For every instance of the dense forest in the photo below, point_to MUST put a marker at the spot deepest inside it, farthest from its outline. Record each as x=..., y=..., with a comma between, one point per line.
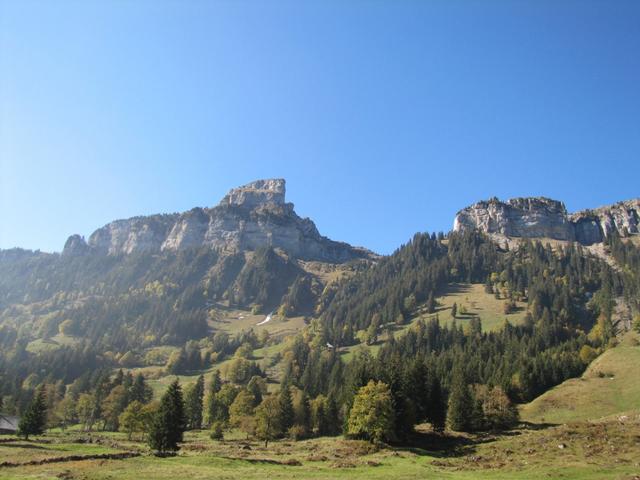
x=437, y=371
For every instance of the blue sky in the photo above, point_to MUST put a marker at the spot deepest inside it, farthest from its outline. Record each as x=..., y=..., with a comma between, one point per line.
x=385, y=117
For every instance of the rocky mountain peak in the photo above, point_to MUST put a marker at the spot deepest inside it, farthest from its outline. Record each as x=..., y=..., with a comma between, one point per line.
x=254, y=194
x=540, y=217
x=248, y=218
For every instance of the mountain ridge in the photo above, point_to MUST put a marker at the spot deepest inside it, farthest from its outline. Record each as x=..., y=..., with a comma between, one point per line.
x=248, y=217
x=541, y=217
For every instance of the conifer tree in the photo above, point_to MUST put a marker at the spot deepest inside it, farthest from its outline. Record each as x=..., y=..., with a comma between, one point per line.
x=168, y=425
x=302, y=414
x=286, y=404
x=216, y=382
x=140, y=391
x=34, y=420
x=460, y=407
x=431, y=303
x=193, y=404
x=437, y=410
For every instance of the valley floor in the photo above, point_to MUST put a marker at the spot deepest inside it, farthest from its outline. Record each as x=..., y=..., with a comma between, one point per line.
x=607, y=449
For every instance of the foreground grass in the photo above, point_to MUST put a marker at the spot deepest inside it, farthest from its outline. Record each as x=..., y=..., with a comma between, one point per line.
x=610, y=386
x=584, y=450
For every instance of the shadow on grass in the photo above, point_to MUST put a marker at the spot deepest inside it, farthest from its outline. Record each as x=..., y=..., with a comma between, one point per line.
x=21, y=444
x=446, y=445
x=538, y=426
x=438, y=445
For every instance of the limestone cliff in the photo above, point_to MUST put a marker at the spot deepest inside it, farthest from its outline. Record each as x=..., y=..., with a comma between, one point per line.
x=541, y=217
x=248, y=217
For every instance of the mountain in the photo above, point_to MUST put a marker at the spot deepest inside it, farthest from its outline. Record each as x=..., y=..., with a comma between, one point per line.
x=539, y=217
x=249, y=217
x=190, y=292
x=163, y=279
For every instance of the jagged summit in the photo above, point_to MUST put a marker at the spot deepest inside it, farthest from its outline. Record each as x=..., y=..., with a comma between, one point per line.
x=540, y=217
x=247, y=218
x=257, y=193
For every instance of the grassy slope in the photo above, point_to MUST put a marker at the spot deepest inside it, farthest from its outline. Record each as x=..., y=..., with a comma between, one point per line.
x=470, y=295
x=592, y=396
x=478, y=303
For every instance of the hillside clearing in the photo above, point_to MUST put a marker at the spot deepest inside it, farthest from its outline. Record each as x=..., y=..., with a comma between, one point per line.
x=610, y=386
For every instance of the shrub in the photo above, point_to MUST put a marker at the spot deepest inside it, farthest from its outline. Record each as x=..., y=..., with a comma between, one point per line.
x=217, y=431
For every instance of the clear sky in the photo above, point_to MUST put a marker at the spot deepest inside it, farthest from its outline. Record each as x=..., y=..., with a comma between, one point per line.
x=385, y=117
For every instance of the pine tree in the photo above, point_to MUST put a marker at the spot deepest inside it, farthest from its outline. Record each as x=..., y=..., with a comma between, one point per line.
x=460, y=408
x=140, y=391
x=431, y=303
x=332, y=416
x=216, y=382
x=34, y=420
x=302, y=414
x=286, y=404
x=437, y=410
x=168, y=425
x=193, y=404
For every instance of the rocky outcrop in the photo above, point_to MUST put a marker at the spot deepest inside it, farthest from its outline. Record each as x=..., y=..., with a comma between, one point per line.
x=545, y=218
x=257, y=193
x=76, y=246
x=622, y=217
x=133, y=235
x=248, y=217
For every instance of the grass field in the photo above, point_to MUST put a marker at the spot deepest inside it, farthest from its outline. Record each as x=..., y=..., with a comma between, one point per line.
x=478, y=303
x=53, y=343
x=577, y=451
x=610, y=386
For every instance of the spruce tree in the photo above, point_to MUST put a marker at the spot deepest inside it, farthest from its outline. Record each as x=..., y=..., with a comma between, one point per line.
x=437, y=410
x=34, y=420
x=216, y=382
x=140, y=391
x=286, y=405
x=332, y=416
x=193, y=404
x=431, y=303
x=460, y=411
x=302, y=414
x=168, y=424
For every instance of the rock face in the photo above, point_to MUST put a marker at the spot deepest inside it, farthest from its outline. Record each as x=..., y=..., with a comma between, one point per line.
x=248, y=217
x=545, y=218
x=76, y=246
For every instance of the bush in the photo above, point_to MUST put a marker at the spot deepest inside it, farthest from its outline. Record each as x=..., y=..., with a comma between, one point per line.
x=587, y=354
x=297, y=432
x=217, y=431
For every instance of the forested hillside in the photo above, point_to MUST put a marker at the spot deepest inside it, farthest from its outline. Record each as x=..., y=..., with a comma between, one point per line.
x=113, y=309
